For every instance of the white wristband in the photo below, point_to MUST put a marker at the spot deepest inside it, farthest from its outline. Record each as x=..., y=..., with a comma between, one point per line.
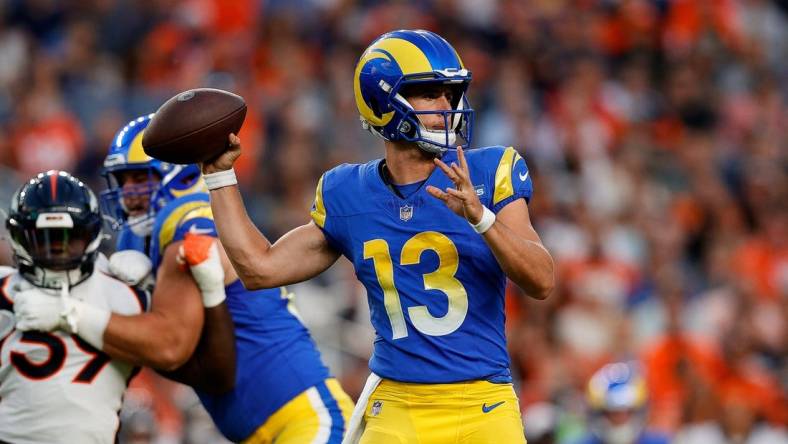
x=87, y=321
x=213, y=298
x=220, y=179
x=487, y=221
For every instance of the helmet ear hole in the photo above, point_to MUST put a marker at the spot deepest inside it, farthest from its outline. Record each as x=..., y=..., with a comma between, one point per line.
x=406, y=128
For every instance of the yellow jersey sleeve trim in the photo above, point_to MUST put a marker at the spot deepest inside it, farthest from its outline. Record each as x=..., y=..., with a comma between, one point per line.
x=319, y=213
x=503, y=176
x=167, y=232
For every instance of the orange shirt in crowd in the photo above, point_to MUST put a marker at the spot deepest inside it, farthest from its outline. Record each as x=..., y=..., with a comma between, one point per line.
x=762, y=264
x=55, y=142
x=672, y=364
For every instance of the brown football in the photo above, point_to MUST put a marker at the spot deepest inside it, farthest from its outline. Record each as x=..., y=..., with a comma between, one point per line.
x=193, y=125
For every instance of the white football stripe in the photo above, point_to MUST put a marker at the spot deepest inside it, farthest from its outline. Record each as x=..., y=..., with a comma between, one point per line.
x=324, y=418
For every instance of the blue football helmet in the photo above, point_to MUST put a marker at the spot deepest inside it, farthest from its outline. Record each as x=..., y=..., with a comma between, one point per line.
x=406, y=57
x=617, y=397
x=165, y=182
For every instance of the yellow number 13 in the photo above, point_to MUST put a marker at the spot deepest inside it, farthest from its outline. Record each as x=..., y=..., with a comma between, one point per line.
x=441, y=279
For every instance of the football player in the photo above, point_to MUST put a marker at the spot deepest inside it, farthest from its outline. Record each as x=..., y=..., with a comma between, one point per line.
x=433, y=240
x=283, y=391
x=58, y=387
x=170, y=337
x=617, y=397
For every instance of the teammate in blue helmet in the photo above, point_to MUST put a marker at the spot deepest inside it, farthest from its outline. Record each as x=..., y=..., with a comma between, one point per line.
x=617, y=399
x=276, y=389
x=433, y=241
x=138, y=186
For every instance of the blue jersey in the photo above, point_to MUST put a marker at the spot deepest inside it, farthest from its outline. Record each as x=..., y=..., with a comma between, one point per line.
x=646, y=437
x=276, y=357
x=127, y=240
x=435, y=290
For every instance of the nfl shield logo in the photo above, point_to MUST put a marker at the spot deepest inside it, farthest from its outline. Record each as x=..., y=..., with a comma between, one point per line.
x=376, y=406
x=406, y=212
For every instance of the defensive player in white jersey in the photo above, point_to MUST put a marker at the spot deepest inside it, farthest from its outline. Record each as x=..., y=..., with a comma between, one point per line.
x=55, y=387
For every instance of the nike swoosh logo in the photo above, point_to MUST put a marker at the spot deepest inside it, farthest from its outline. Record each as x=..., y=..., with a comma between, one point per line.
x=523, y=176
x=487, y=409
x=198, y=231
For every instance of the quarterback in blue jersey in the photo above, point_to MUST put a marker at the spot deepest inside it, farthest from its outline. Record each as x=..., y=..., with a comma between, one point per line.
x=432, y=230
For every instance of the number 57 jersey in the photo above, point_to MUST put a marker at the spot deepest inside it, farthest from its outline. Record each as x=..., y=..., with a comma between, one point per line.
x=435, y=290
x=55, y=387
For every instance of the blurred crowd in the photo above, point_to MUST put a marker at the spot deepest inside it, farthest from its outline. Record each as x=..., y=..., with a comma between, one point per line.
x=656, y=132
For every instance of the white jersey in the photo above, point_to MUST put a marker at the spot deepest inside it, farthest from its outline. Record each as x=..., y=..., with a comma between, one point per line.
x=55, y=387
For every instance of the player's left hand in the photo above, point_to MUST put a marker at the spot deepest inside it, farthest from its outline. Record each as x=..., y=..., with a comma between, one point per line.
x=462, y=199
x=37, y=309
x=201, y=254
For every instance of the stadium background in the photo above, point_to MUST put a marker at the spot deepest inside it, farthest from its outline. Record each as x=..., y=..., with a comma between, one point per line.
x=656, y=131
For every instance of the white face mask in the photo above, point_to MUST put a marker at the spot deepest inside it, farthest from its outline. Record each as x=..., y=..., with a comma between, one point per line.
x=141, y=226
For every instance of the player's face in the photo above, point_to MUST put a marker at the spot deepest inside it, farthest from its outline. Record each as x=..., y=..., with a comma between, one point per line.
x=137, y=186
x=56, y=246
x=430, y=97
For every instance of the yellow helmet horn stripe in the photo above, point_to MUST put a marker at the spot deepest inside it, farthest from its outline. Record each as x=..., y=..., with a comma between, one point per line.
x=364, y=109
x=136, y=153
x=408, y=56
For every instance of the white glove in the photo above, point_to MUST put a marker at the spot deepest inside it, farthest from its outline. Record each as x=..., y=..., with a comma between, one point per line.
x=201, y=254
x=37, y=309
x=133, y=268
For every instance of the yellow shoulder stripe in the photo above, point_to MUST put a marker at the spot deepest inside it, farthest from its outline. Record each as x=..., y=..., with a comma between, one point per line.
x=503, y=175
x=319, y=212
x=167, y=232
x=202, y=211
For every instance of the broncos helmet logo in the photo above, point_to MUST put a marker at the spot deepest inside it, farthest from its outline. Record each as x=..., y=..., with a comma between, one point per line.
x=405, y=57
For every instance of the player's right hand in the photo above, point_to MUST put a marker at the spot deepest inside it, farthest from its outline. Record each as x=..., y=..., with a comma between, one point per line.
x=201, y=254
x=133, y=268
x=44, y=310
x=38, y=309
x=223, y=161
